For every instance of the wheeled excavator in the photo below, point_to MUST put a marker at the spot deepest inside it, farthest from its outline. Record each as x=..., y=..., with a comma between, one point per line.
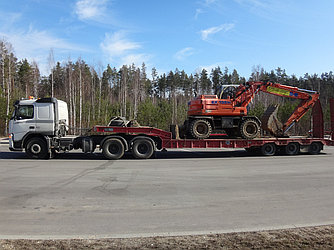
x=228, y=111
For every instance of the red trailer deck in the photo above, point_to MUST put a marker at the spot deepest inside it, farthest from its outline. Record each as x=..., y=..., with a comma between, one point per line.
x=141, y=139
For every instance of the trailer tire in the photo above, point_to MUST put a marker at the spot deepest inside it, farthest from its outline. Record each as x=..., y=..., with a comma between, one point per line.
x=315, y=148
x=249, y=128
x=113, y=149
x=200, y=129
x=268, y=149
x=36, y=148
x=142, y=148
x=293, y=148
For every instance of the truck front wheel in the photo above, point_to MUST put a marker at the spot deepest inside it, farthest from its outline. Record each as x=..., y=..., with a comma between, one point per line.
x=113, y=149
x=36, y=149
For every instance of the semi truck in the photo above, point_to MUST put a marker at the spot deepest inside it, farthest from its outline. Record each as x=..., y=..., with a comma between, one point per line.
x=40, y=128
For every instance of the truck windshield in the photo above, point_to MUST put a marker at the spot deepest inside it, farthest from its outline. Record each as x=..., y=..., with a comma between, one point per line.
x=24, y=112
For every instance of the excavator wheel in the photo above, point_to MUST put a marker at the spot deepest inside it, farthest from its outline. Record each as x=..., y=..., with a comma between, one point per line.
x=200, y=129
x=249, y=129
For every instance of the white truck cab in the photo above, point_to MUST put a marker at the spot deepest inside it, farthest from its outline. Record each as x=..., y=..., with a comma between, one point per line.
x=35, y=120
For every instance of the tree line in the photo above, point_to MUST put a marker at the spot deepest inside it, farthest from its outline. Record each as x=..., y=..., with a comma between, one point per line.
x=94, y=94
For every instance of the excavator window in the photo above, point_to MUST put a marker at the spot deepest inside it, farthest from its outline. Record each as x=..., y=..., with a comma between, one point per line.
x=227, y=91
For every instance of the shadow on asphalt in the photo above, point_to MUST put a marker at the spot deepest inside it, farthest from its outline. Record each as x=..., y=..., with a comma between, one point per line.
x=127, y=156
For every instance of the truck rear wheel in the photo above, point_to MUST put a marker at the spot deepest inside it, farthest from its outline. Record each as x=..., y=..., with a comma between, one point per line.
x=113, y=149
x=200, y=129
x=36, y=149
x=315, y=148
x=142, y=149
x=292, y=148
x=249, y=129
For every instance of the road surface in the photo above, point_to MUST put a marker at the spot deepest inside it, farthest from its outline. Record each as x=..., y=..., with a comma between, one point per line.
x=179, y=192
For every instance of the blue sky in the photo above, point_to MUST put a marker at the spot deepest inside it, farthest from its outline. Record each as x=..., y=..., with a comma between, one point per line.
x=296, y=35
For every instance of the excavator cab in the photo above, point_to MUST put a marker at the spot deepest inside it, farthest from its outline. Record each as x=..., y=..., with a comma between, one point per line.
x=227, y=91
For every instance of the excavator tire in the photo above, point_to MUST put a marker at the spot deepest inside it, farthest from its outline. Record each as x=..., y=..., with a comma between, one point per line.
x=249, y=128
x=200, y=129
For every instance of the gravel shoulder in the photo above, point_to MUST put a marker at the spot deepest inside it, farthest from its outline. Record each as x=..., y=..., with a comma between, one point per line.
x=320, y=237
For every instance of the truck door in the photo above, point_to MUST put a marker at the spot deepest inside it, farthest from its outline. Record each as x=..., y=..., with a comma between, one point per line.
x=23, y=121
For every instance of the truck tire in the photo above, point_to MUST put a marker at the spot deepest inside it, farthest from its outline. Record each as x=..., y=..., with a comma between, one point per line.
x=142, y=149
x=113, y=149
x=36, y=149
x=268, y=149
x=249, y=129
x=200, y=129
x=315, y=148
x=292, y=148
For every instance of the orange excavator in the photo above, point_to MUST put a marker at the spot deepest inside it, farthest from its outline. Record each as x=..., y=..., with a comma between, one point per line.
x=228, y=111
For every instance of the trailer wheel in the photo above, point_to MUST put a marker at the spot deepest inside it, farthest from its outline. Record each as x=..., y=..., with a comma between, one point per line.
x=292, y=148
x=142, y=149
x=249, y=129
x=315, y=148
x=113, y=149
x=268, y=149
x=36, y=149
x=200, y=129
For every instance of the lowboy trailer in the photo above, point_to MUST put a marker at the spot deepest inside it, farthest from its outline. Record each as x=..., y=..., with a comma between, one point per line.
x=142, y=142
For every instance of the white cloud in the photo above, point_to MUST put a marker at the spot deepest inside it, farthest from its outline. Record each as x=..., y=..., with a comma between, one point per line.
x=90, y=9
x=136, y=59
x=198, y=12
x=117, y=44
x=7, y=19
x=35, y=45
x=120, y=50
x=183, y=53
x=213, y=30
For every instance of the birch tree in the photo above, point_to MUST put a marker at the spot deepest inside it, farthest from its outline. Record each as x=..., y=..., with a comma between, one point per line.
x=51, y=63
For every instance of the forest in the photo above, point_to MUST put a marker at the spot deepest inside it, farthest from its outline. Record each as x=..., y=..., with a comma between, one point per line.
x=94, y=94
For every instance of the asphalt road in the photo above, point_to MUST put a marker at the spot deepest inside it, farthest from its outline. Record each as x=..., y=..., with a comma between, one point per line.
x=178, y=192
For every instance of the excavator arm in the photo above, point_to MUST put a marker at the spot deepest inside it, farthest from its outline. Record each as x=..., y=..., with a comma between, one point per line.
x=308, y=99
x=245, y=93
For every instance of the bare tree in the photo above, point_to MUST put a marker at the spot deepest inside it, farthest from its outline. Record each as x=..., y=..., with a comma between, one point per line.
x=136, y=92
x=80, y=96
x=36, y=77
x=3, y=58
x=51, y=62
x=123, y=88
x=70, y=90
x=100, y=70
x=8, y=69
x=93, y=72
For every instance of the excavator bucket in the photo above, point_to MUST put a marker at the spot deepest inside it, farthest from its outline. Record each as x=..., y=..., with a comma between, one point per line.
x=270, y=123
